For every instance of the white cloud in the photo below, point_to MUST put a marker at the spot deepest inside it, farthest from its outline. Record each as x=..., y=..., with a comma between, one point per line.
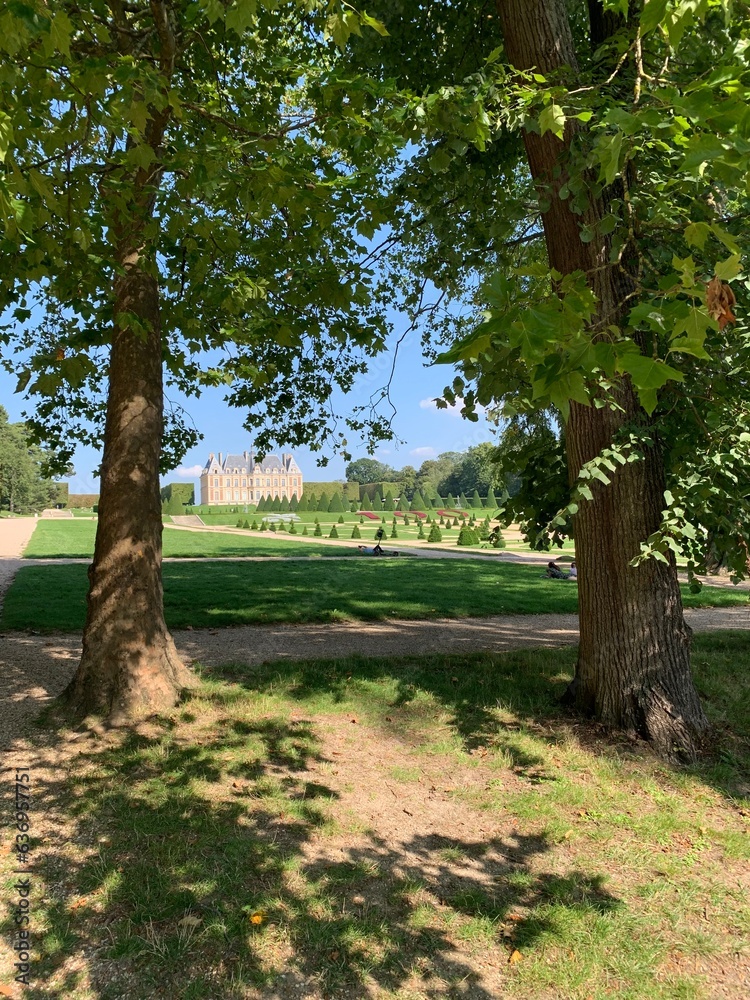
x=189, y=472
x=423, y=452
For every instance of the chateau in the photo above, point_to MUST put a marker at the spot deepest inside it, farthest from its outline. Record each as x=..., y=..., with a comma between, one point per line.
x=246, y=478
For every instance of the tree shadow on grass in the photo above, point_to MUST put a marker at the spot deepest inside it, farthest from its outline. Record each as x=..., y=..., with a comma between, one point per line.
x=191, y=857
x=495, y=700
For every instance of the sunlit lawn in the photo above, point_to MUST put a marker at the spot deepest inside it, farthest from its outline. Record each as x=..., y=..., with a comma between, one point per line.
x=283, y=834
x=75, y=540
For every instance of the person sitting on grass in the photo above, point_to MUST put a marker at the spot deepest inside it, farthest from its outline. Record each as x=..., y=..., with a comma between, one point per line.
x=554, y=572
x=573, y=575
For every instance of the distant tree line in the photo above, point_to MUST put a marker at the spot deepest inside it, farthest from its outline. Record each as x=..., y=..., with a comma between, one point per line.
x=452, y=472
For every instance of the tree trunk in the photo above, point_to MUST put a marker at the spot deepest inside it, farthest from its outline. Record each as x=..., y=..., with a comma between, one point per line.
x=633, y=669
x=130, y=666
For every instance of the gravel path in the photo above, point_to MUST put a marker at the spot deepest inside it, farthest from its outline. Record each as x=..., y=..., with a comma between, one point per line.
x=34, y=669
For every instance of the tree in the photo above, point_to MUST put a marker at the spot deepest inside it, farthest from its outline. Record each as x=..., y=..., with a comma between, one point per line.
x=467, y=536
x=476, y=500
x=335, y=506
x=23, y=488
x=389, y=503
x=417, y=501
x=368, y=470
x=407, y=479
x=322, y=504
x=179, y=178
x=475, y=469
x=602, y=301
x=435, y=534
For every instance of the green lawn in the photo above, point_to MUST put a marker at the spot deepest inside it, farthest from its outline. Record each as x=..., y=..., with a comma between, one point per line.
x=52, y=598
x=75, y=540
x=313, y=848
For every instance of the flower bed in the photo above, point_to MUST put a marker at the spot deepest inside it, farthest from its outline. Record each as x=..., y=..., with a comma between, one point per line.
x=368, y=513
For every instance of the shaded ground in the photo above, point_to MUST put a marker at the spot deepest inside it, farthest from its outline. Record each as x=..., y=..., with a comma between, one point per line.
x=364, y=830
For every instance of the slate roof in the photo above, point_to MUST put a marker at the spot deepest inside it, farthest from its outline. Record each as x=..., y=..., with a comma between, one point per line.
x=249, y=462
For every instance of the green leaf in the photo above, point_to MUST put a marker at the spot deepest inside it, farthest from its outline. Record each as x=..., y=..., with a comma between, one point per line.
x=648, y=373
x=697, y=233
x=552, y=119
x=726, y=238
x=654, y=12
x=700, y=150
x=610, y=157
x=6, y=135
x=60, y=31
x=372, y=22
x=727, y=269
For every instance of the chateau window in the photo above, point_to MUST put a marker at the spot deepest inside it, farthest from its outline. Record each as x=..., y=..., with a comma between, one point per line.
x=228, y=482
x=244, y=482
x=275, y=482
x=236, y=482
x=236, y=494
x=216, y=482
x=268, y=482
x=283, y=482
x=244, y=494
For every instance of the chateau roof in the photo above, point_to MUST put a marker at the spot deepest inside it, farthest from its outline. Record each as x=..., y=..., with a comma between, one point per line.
x=249, y=462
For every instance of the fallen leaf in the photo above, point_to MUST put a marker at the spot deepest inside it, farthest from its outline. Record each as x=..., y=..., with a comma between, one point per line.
x=257, y=917
x=515, y=956
x=189, y=921
x=78, y=903
x=7, y=991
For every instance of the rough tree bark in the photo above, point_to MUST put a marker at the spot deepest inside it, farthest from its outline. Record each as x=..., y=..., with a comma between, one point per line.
x=633, y=669
x=130, y=667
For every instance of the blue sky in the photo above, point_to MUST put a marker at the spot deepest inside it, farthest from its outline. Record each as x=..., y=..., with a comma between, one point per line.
x=423, y=430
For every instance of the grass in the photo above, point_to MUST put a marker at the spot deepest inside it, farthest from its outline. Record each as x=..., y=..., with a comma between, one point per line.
x=75, y=540
x=211, y=595
x=65, y=539
x=574, y=866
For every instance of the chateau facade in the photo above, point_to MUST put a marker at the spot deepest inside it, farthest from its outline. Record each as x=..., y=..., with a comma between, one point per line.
x=247, y=478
